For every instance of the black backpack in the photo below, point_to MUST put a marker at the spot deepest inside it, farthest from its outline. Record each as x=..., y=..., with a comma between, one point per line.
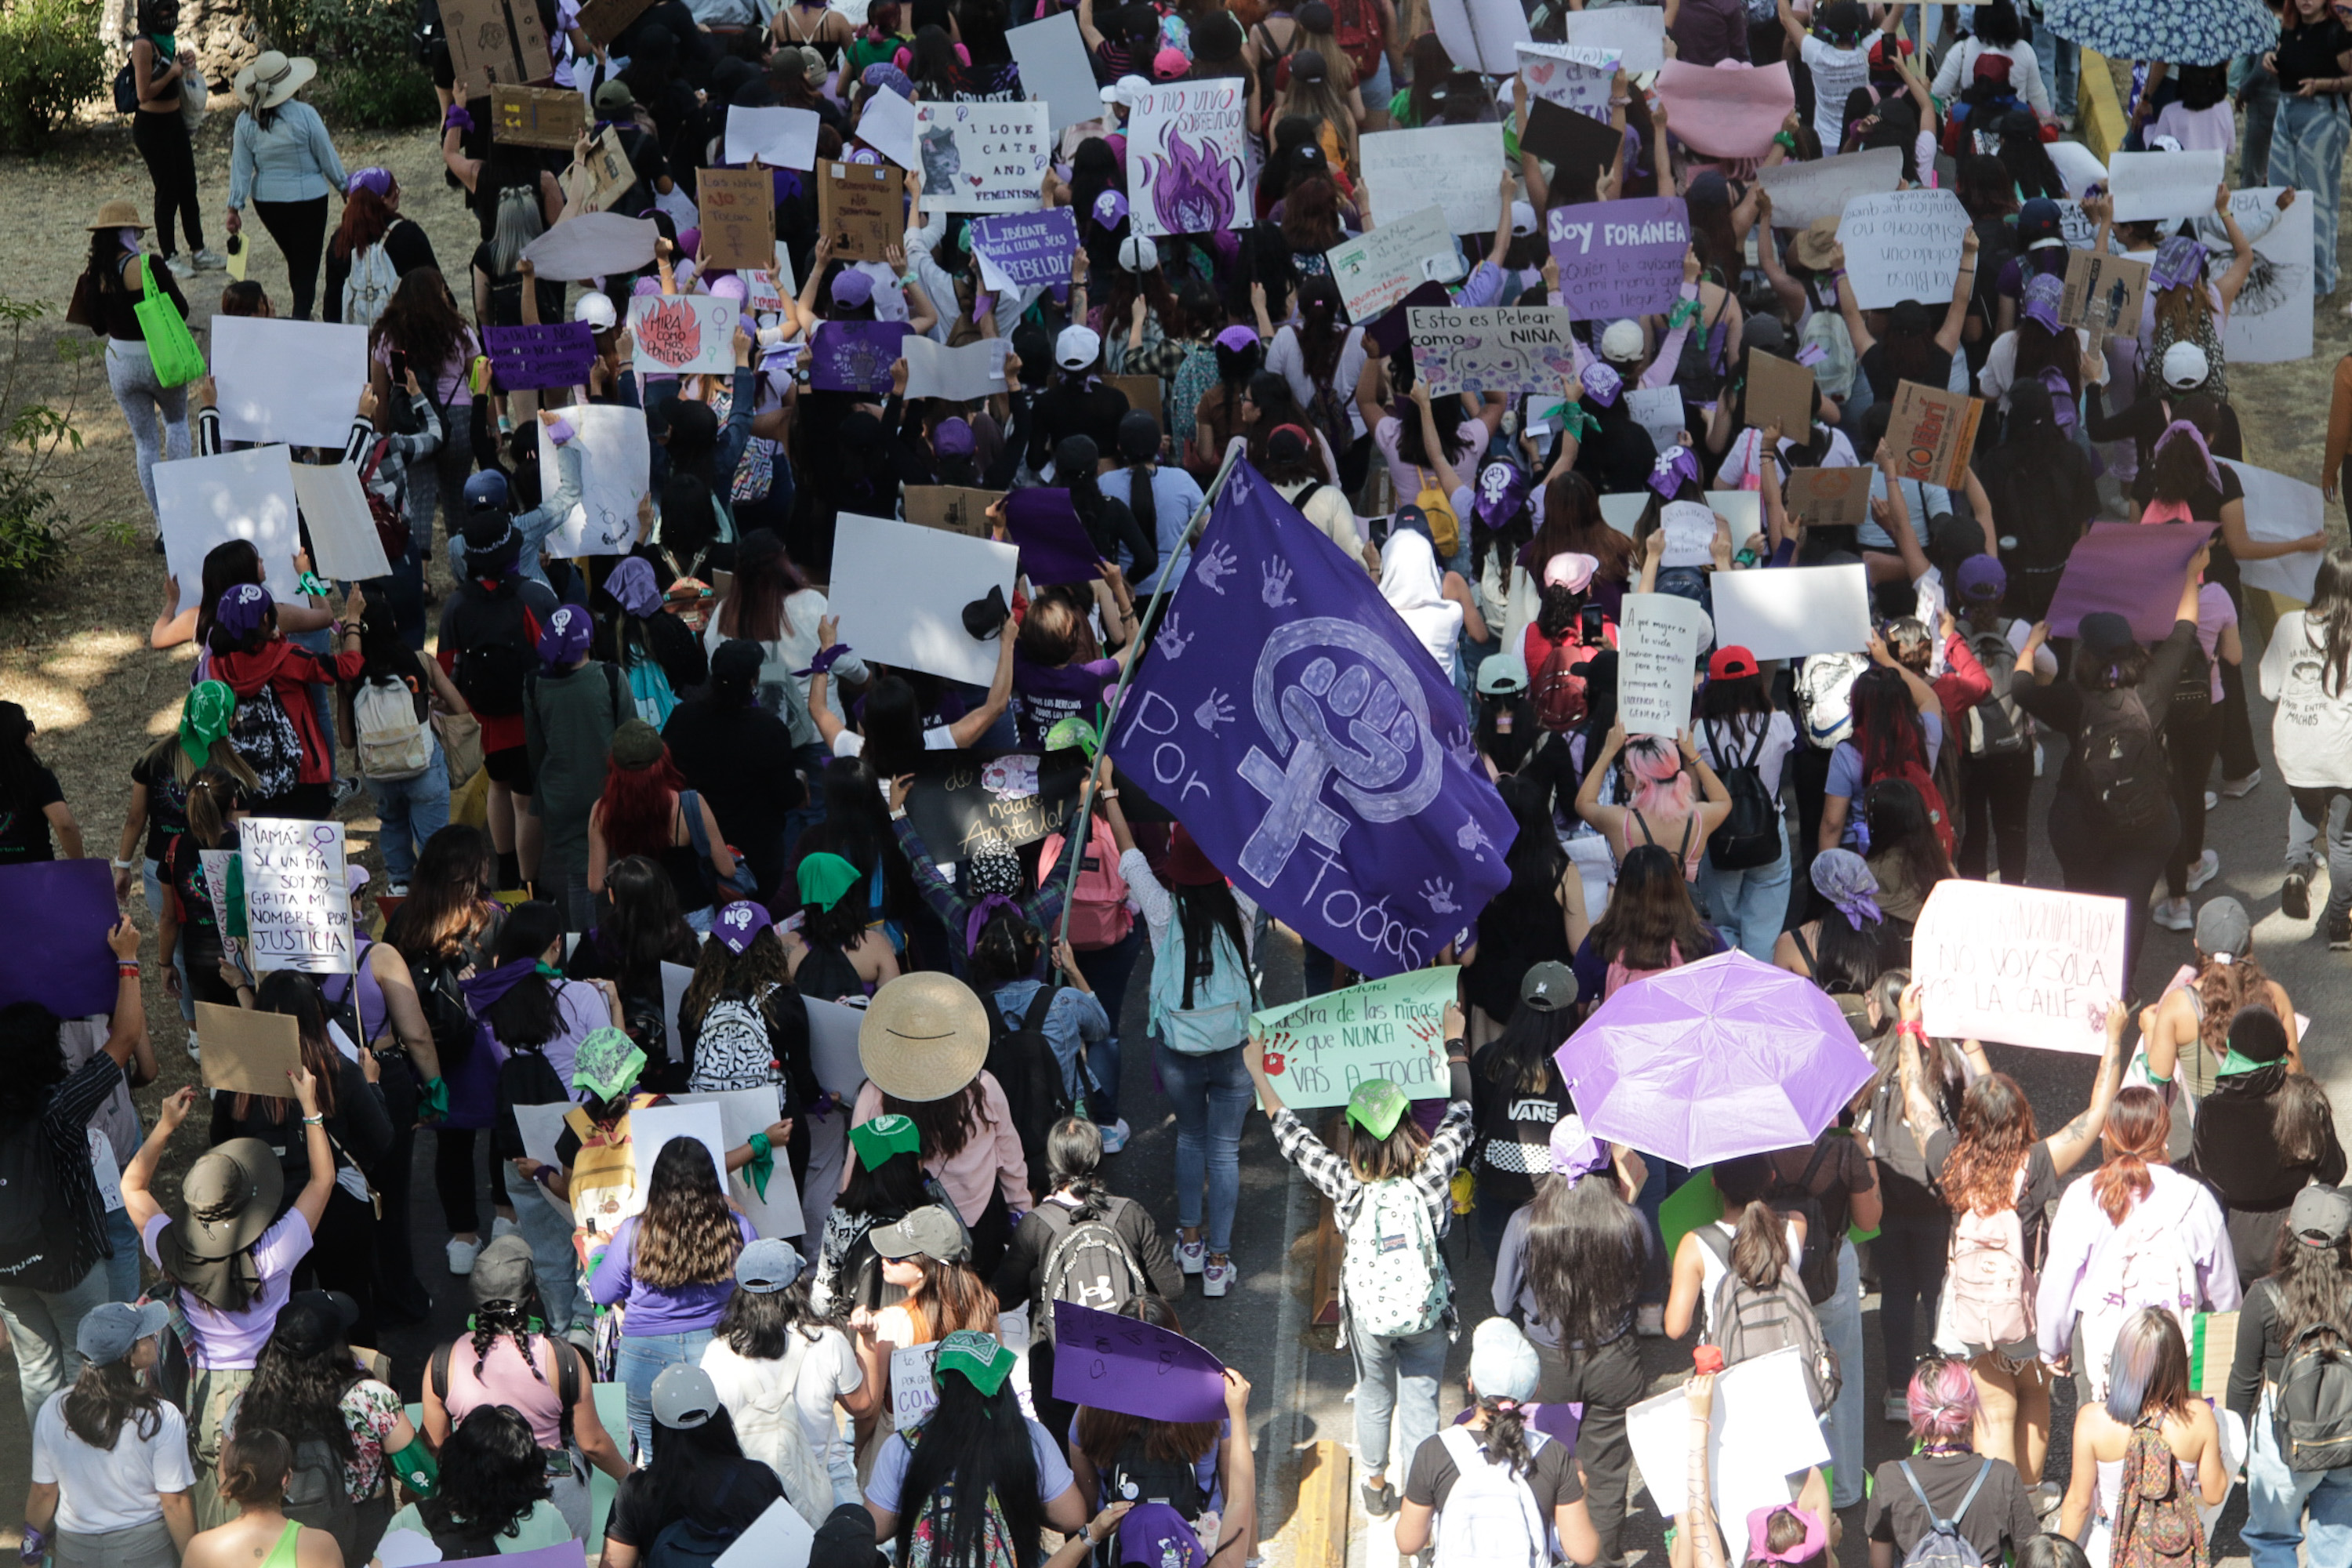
x=1135, y=1475
x=1996, y=724
x=2314, y=1402
x=315, y=1496
x=446, y=1011
x=2192, y=695
x=1819, y=1267
x=491, y=669
x=1750, y=835
x=1021, y=1061
x=525, y=1077
x=264, y=737
x=1091, y=1265
x=31, y=1225
x=2125, y=772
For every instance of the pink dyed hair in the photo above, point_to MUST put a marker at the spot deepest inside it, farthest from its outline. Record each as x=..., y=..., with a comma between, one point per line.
x=1942, y=1401
x=1662, y=786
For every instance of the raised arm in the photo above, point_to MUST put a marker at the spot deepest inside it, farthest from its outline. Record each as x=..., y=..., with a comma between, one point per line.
x=1947, y=337
x=2078, y=1137
x=2243, y=266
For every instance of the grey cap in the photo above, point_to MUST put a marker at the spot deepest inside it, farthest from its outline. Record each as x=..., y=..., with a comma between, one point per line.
x=2321, y=1217
x=109, y=1330
x=1549, y=986
x=931, y=1231
x=1503, y=1365
x=767, y=1266
x=684, y=1397
x=503, y=1271
x=2223, y=930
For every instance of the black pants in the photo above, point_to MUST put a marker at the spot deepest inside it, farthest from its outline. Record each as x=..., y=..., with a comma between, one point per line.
x=1809, y=776
x=300, y=229
x=1994, y=794
x=343, y=1257
x=1054, y=1414
x=399, y=1294
x=1909, y=1255
x=2121, y=865
x=1608, y=1380
x=2191, y=742
x=453, y=1179
x=163, y=141
x=2236, y=738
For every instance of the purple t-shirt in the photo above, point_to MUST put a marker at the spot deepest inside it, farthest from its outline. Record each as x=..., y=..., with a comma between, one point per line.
x=1045, y=694
x=651, y=1308
x=228, y=1341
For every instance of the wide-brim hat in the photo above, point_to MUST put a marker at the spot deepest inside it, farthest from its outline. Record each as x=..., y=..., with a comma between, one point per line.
x=924, y=1036
x=119, y=213
x=1815, y=245
x=272, y=78
x=231, y=1193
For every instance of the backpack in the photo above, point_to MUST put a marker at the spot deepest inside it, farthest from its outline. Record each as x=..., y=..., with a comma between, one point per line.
x=1134, y=1475
x=1699, y=369
x=1825, y=697
x=2124, y=771
x=1558, y=689
x=1944, y=1546
x=315, y=1497
x=1996, y=725
x=525, y=1077
x=2313, y=1404
x=1990, y=1281
x=490, y=671
x=1361, y=36
x=1819, y=1267
x=369, y=288
x=1445, y=526
x=828, y=975
x=2142, y=1263
x=30, y=1222
x=126, y=89
x=393, y=743
x=1269, y=62
x=1091, y=1265
x=689, y=1542
x=1392, y=1274
x=1023, y=1062
x=2192, y=695
x=649, y=684
x=1749, y=1323
x=1490, y=1519
x=261, y=732
x=446, y=1011
x=391, y=530
x=1911, y=772
x=2156, y=1520
x=727, y=889
x=1220, y=1002
x=996, y=1545
x=1327, y=411
x=1750, y=835
x=1099, y=917
x=732, y=1050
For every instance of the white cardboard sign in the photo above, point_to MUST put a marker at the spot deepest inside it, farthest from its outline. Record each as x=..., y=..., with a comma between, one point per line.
x=1570, y=75
x=2278, y=509
x=1382, y=265
x=1461, y=165
x=1787, y=612
x=203, y=503
x=983, y=157
x=899, y=589
x=779, y=1538
x=1658, y=410
x=2024, y=966
x=297, y=907
x=1638, y=34
x=280, y=380
x=1052, y=54
x=1761, y=1432
x=1903, y=245
x=833, y=1046
x=2163, y=186
x=1479, y=35
x=913, y=1395
x=1657, y=654
x=616, y=473
x=343, y=541
x=934, y=370
x=780, y=138
x=1807, y=190
x=592, y=245
x=2270, y=322
x=674, y=979
x=655, y=1125
x=1189, y=158
x=889, y=127
x=741, y=1112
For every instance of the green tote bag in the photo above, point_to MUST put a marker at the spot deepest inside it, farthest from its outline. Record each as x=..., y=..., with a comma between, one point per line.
x=169, y=345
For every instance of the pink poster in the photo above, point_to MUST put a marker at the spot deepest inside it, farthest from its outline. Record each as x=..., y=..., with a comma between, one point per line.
x=1728, y=111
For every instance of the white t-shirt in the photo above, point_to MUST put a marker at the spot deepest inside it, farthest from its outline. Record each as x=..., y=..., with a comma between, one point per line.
x=101, y=1491
x=1738, y=735
x=1287, y=359
x=1836, y=73
x=1738, y=471
x=2311, y=732
x=821, y=1373
x=890, y=1469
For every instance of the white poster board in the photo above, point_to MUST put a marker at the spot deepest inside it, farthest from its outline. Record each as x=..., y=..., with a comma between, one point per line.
x=343, y=541
x=674, y=979
x=1787, y=612
x=1569, y=76
x=1689, y=528
x=1657, y=657
x=1903, y=245
x=887, y=126
x=297, y=907
x=592, y=245
x=1761, y=1432
x=935, y=370
x=541, y=1127
x=1806, y=192
x=280, y=380
x=2076, y=165
x=1479, y=35
x=2023, y=966
x=913, y=1395
x=780, y=138
x=741, y=1112
x=1658, y=410
x=1376, y=269
x=205, y=502
x=1052, y=55
x=983, y=157
x=1460, y=164
x=779, y=1538
x=898, y=591
x=655, y=1125
x=2278, y=509
x=1743, y=510
x=833, y=1047
x=2163, y=186
x=616, y=476
x=2270, y=321
x=683, y=334
x=1638, y=33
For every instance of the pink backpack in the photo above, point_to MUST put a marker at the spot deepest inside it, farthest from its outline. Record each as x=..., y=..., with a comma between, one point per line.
x=1989, y=1284
x=1099, y=917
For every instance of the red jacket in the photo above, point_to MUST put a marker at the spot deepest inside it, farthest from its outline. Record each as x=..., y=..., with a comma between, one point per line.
x=1961, y=686
x=292, y=669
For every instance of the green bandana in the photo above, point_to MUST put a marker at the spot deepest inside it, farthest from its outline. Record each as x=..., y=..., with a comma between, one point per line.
x=884, y=1137
x=1073, y=730
x=204, y=719
x=544, y=967
x=979, y=1359
x=1377, y=1106
x=1683, y=315
x=824, y=879
x=763, y=1166
x=1578, y=421
x=606, y=1064
x=2234, y=1066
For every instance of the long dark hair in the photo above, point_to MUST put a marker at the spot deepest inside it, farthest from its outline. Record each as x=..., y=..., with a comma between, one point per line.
x=1521, y=1056
x=21, y=780
x=103, y=1397
x=946, y=1124
x=2027, y=160
x=684, y=1458
x=638, y=926
x=759, y=1326
x=1650, y=915
x=974, y=1448
x=444, y=908
x=420, y=321
x=493, y=1473
x=300, y=1396
x=295, y=995
x=1585, y=1248
x=527, y=1015
x=2313, y=1284
x=1900, y=824
x=1074, y=1153
x=765, y=577
x=105, y=253
x=1200, y=913
x=688, y=1235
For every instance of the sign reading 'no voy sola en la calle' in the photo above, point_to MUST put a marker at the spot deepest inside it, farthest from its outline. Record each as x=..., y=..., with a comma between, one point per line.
x=2024, y=966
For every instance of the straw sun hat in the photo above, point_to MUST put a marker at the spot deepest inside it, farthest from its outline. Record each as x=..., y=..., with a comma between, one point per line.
x=272, y=78
x=119, y=213
x=924, y=1036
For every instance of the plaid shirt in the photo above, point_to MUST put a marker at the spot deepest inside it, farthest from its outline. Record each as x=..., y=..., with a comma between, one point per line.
x=1335, y=1179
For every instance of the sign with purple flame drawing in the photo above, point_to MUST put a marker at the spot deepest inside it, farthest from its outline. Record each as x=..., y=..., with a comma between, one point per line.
x=981, y=157
x=1291, y=719
x=1188, y=158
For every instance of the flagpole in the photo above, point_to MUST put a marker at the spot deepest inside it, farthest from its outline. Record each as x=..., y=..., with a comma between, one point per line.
x=1074, y=852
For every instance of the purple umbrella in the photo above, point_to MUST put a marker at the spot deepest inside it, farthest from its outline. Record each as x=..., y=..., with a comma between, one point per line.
x=1718, y=1059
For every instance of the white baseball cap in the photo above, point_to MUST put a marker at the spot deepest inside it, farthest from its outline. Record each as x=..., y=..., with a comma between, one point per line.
x=1621, y=344
x=2185, y=366
x=1077, y=348
x=596, y=311
x=1523, y=218
x=1137, y=254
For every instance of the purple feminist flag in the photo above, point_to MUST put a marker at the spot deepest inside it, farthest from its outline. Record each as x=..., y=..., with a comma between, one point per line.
x=54, y=917
x=1620, y=258
x=1289, y=718
x=1020, y=249
x=556, y=354
x=1129, y=1367
x=1054, y=544
x=854, y=356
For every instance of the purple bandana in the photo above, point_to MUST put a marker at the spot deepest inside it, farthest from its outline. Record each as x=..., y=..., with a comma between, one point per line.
x=1673, y=467
x=739, y=925
x=2179, y=428
x=2179, y=260
x=1844, y=878
x=1502, y=490
x=242, y=609
x=2042, y=295
x=1603, y=385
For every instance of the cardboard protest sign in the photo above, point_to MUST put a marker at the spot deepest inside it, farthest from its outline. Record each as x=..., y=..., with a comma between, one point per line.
x=1792, y=610
x=833, y=1047
x=934, y=370
x=2278, y=510
x=616, y=476
x=963, y=802
x=958, y=509
x=1829, y=497
x=280, y=380
x=54, y=917
x=1106, y=1362
x=1762, y=1431
x=1638, y=34
x=2025, y=966
x=1462, y=165
x=297, y=907
x=1495, y=349
x=1055, y=69
x=1188, y=159
x=551, y=117
x=1318, y=1050
x=981, y=157
x=593, y=183
x=739, y=216
x=683, y=334
x=592, y=245
x=854, y=356
x=913, y=1395
x=2162, y=187
x=1568, y=77
x=1577, y=145
x=1481, y=34
x=1620, y=258
x=1933, y=433
x=494, y=42
x=1903, y=245
x=2134, y=570
x=1657, y=655
x=1804, y=192
x=2270, y=321
x=1016, y=249
x=898, y=592
x=1727, y=114
x=1779, y=391
x=2103, y=293
x=863, y=208
x=779, y=1538
x=556, y=353
x=247, y=1052
x=780, y=138
x=344, y=544
x=604, y=20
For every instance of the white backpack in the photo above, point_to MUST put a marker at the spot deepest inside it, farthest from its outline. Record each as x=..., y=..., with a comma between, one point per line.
x=1825, y=697
x=1391, y=1271
x=369, y=288
x=1490, y=1519
x=2142, y=1263
x=1989, y=1284
x=732, y=1050
x=393, y=743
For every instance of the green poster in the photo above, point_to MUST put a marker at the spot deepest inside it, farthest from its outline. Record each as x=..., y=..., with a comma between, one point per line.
x=1318, y=1050
x=1693, y=1204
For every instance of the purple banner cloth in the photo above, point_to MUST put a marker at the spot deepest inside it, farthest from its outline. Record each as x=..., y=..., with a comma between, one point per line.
x=1028, y=248
x=1620, y=258
x=54, y=917
x=1133, y=1368
x=1053, y=543
x=2134, y=569
x=854, y=356
x=554, y=354
x=1289, y=718
x=563, y=1555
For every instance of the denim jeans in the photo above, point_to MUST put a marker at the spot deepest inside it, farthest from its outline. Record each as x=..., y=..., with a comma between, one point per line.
x=157, y=414
x=2258, y=89
x=2315, y=807
x=546, y=1223
x=2308, y=153
x=641, y=1358
x=122, y=1268
x=1211, y=1096
x=1396, y=1380
x=412, y=811
x=1748, y=907
x=2277, y=1497
x=2059, y=59
x=152, y=881
x=1840, y=1320
x=42, y=1325
x=1107, y=970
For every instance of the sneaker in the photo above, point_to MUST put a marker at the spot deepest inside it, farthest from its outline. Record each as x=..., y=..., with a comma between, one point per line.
x=2295, y=896
x=2045, y=1498
x=1650, y=1320
x=346, y=787
x=396, y=890
x=462, y=1254
x=1192, y=1255
x=180, y=266
x=2173, y=914
x=1895, y=1407
x=2212, y=801
x=1216, y=1278
x=2208, y=866
x=195, y=1055
x=1380, y=1500
x=502, y=1226
x=1114, y=1137
x=211, y=261
x=2339, y=933
x=2239, y=789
